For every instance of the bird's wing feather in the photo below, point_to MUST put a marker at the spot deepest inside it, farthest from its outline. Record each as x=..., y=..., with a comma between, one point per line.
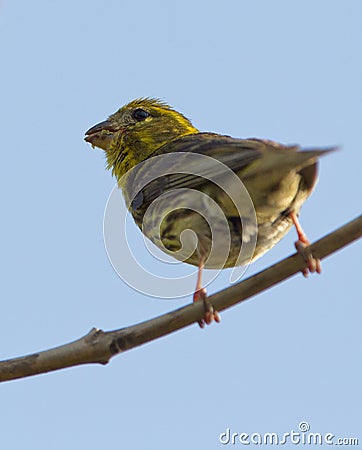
x=194, y=172
x=247, y=157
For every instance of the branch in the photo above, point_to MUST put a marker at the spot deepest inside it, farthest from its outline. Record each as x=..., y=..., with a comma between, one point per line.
x=99, y=346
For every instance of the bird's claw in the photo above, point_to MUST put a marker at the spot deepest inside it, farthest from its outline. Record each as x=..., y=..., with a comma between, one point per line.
x=210, y=314
x=313, y=264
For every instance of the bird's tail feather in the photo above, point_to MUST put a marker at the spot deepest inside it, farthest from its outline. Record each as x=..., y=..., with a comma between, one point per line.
x=284, y=161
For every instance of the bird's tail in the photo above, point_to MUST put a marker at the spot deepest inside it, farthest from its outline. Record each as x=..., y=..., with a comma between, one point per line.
x=284, y=160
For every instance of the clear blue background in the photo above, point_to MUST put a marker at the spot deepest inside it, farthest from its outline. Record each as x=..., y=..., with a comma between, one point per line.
x=288, y=71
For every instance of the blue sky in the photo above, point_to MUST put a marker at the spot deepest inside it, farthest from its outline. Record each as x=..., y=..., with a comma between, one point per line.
x=287, y=71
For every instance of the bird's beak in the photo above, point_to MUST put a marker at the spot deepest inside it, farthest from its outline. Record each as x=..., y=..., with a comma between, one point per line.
x=102, y=134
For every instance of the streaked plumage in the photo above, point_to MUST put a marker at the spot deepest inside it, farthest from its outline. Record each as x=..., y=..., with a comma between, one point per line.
x=278, y=179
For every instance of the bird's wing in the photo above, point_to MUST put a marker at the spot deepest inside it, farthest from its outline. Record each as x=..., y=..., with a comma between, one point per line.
x=191, y=161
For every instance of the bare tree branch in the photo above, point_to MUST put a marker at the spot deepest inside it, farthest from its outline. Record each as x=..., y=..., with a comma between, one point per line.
x=99, y=346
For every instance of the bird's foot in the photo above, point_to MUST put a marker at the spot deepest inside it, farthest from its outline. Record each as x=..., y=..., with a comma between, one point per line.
x=313, y=264
x=210, y=314
x=303, y=248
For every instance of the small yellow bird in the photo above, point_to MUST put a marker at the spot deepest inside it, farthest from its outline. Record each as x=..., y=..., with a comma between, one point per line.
x=175, y=178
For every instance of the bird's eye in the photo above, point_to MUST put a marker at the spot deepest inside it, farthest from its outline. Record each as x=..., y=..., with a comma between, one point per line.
x=140, y=114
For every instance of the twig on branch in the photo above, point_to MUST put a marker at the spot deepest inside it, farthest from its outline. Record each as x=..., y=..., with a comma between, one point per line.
x=99, y=346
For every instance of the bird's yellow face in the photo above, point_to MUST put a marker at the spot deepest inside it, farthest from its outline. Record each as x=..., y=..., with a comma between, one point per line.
x=136, y=131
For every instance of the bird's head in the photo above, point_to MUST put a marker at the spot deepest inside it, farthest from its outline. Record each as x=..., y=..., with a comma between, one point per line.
x=136, y=131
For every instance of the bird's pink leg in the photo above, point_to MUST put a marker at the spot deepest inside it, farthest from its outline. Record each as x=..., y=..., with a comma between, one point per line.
x=200, y=295
x=302, y=246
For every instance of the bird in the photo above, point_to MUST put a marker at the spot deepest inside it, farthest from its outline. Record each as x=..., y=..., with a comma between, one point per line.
x=207, y=199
